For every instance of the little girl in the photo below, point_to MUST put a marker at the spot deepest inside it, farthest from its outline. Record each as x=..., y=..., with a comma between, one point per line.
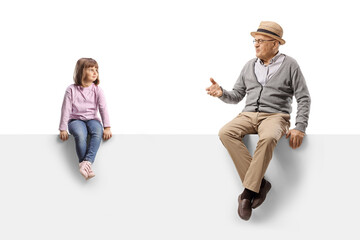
x=79, y=114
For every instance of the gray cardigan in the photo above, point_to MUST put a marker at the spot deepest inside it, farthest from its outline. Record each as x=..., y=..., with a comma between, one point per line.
x=277, y=94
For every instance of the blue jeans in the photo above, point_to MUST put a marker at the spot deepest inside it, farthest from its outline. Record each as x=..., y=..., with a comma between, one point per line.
x=85, y=150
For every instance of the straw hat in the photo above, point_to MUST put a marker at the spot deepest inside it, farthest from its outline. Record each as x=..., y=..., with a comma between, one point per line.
x=271, y=29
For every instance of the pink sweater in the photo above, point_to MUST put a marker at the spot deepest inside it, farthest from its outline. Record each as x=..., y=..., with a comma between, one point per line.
x=83, y=103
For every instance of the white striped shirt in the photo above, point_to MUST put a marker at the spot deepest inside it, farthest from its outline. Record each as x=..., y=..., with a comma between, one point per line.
x=265, y=72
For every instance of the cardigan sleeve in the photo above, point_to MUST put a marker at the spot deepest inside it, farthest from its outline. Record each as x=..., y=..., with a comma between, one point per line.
x=237, y=94
x=303, y=99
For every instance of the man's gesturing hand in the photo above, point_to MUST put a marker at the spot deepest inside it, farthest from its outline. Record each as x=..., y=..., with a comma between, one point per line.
x=214, y=90
x=296, y=138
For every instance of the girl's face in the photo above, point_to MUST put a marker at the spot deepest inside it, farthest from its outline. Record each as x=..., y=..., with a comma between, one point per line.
x=91, y=74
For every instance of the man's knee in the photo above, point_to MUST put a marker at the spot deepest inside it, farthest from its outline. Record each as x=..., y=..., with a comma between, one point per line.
x=226, y=133
x=268, y=140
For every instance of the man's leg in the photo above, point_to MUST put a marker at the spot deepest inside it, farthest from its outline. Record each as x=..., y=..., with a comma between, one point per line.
x=271, y=127
x=231, y=136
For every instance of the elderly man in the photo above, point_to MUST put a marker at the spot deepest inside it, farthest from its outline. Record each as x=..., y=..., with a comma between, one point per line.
x=269, y=82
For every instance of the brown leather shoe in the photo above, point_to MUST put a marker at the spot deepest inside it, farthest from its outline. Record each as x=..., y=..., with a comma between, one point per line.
x=244, y=209
x=260, y=197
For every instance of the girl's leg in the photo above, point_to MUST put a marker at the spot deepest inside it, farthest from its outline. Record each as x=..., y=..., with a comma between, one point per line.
x=95, y=130
x=78, y=129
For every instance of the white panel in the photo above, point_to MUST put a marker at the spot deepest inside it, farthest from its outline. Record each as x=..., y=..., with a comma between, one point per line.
x=174, y=187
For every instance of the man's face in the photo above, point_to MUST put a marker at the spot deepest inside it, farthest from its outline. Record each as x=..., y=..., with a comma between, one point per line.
x=267, y=49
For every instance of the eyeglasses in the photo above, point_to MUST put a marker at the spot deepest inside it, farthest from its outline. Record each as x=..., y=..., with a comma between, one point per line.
x=260, y=41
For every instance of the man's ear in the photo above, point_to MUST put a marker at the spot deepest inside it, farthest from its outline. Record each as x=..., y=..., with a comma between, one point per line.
x=276, y=44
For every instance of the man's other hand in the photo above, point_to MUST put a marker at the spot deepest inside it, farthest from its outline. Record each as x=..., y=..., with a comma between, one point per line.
x=296, y=138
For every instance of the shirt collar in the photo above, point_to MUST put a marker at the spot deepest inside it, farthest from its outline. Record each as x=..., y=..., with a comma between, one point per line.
x=81, y=88
x=276, y=57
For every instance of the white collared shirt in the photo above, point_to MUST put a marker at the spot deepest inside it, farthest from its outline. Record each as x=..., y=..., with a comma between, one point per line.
x=265, y=72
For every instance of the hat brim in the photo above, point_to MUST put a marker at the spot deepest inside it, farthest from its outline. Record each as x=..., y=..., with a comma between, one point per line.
x=282, y=41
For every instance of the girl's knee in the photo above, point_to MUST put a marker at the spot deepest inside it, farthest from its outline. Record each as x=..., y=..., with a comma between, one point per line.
x=79, y=134
x=95, y=128
x=80, y=137
x=97, y=131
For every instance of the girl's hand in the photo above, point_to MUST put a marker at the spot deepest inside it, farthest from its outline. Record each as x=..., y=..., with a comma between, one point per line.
x=107, y=133
x=64, y=135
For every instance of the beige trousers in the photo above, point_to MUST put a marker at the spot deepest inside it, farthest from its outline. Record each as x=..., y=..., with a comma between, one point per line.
x=270, y=127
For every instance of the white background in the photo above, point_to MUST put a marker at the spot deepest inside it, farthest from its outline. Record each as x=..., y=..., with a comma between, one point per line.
x=156, y=58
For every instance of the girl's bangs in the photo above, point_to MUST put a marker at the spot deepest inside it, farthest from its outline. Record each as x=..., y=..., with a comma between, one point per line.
x=90, y=63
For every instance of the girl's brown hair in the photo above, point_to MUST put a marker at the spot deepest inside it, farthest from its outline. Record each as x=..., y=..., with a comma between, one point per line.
x=80, y=70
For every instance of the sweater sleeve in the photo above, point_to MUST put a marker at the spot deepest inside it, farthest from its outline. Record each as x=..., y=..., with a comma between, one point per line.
x=103, y=109
x=237, y=94
x=65, y=110
x=303, y=99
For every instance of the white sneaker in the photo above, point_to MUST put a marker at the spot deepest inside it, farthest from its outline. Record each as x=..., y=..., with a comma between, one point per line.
x=91, y=173
x=84, y=169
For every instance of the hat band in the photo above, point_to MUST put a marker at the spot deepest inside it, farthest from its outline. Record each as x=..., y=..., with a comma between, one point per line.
x=267, y=31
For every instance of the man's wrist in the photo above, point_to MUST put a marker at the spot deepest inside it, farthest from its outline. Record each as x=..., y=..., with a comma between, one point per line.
x=301, y=127
x=222, y=92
